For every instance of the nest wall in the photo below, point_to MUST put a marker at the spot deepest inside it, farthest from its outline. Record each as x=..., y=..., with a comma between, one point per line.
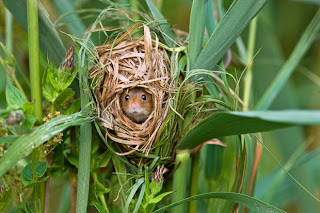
x=125, y=64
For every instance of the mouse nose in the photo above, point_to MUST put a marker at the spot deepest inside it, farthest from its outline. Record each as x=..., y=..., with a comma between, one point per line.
x=134, y=106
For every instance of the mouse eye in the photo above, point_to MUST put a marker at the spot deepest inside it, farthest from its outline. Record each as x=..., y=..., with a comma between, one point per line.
x=127, y=97
x=144, y=97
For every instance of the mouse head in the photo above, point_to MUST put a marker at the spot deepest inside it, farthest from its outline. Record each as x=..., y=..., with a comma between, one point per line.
x=136, y=104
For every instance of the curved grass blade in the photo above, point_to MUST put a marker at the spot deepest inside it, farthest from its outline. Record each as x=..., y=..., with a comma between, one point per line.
x=250, y=202
x=236, y=123
x=197, y=25
x=284, y=74
x=229, y=28
x=25, y=144
x=135, y=188
x=166, y=31
x=50, y=42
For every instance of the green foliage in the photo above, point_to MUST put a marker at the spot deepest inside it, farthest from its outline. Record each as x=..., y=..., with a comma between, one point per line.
x=27, y=176
x=245, y=200
x=236, y=123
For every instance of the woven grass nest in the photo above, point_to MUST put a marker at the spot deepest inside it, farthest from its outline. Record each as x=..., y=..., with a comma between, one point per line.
x=125, y=64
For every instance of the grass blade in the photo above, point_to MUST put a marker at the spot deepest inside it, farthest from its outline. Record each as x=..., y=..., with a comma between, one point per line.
x=301, y=48
x=236, y=123
x=197, y=25
x=26, y=143
x=166, y=31
x=229, y=28
x=250, y=202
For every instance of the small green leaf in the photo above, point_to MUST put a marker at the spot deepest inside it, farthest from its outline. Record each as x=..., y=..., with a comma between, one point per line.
x=27, y=108
x=160, y=197
x=68, y=77
x=73, y=160
x=32, y=184
x=14, y=96
x=49, y=92
x=155, y=187
x=64, y=96
x=104, y=159
x=27, y=175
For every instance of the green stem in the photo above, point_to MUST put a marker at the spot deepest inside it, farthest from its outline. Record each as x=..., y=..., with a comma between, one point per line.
x=194, y=181
x=34, y=172
x=180, y=177
x=33, y=40
x=53, y=110
x=248, y=77
x=8, y=36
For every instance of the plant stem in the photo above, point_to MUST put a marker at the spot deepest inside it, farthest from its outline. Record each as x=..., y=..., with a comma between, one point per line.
x=34, y=172
x=8, y=36
x=248, y=77
x=180, y=180
x=194, y=181
x=33, y=40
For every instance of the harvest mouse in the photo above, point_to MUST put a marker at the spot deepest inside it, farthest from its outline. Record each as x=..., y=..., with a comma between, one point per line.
x=136, y=104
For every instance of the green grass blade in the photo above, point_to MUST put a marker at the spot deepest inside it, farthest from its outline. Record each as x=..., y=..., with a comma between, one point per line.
x=50, y=43
x=210, y=22
x=197, y=25
x=135, y=188
x=285, y=72
x=85, y=136
x=250, y=202
x=166, y=30
x=26, y=143
x=236, y=123
x=229, y=28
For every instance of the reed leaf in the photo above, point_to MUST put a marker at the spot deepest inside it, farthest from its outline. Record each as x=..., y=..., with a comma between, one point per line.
x=229, y=28
x=236, y=123
x=250, y=202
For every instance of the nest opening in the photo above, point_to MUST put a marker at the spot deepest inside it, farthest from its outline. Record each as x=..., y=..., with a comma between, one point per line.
x=122, y=66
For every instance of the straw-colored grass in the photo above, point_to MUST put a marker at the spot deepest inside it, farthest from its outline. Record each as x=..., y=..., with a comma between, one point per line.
x=125, y=64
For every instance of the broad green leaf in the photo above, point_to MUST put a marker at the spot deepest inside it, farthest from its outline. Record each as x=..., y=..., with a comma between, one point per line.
x=210, y=22
x=236, y=123
x=50, y=43
x=308, y=1
x=250, y=202
x=285, y=72
x=166, y=31
x=197, y=25
x=14, y=96
x=228, y=30
x=159, y=197
x=64, y=96
x=26, y=143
